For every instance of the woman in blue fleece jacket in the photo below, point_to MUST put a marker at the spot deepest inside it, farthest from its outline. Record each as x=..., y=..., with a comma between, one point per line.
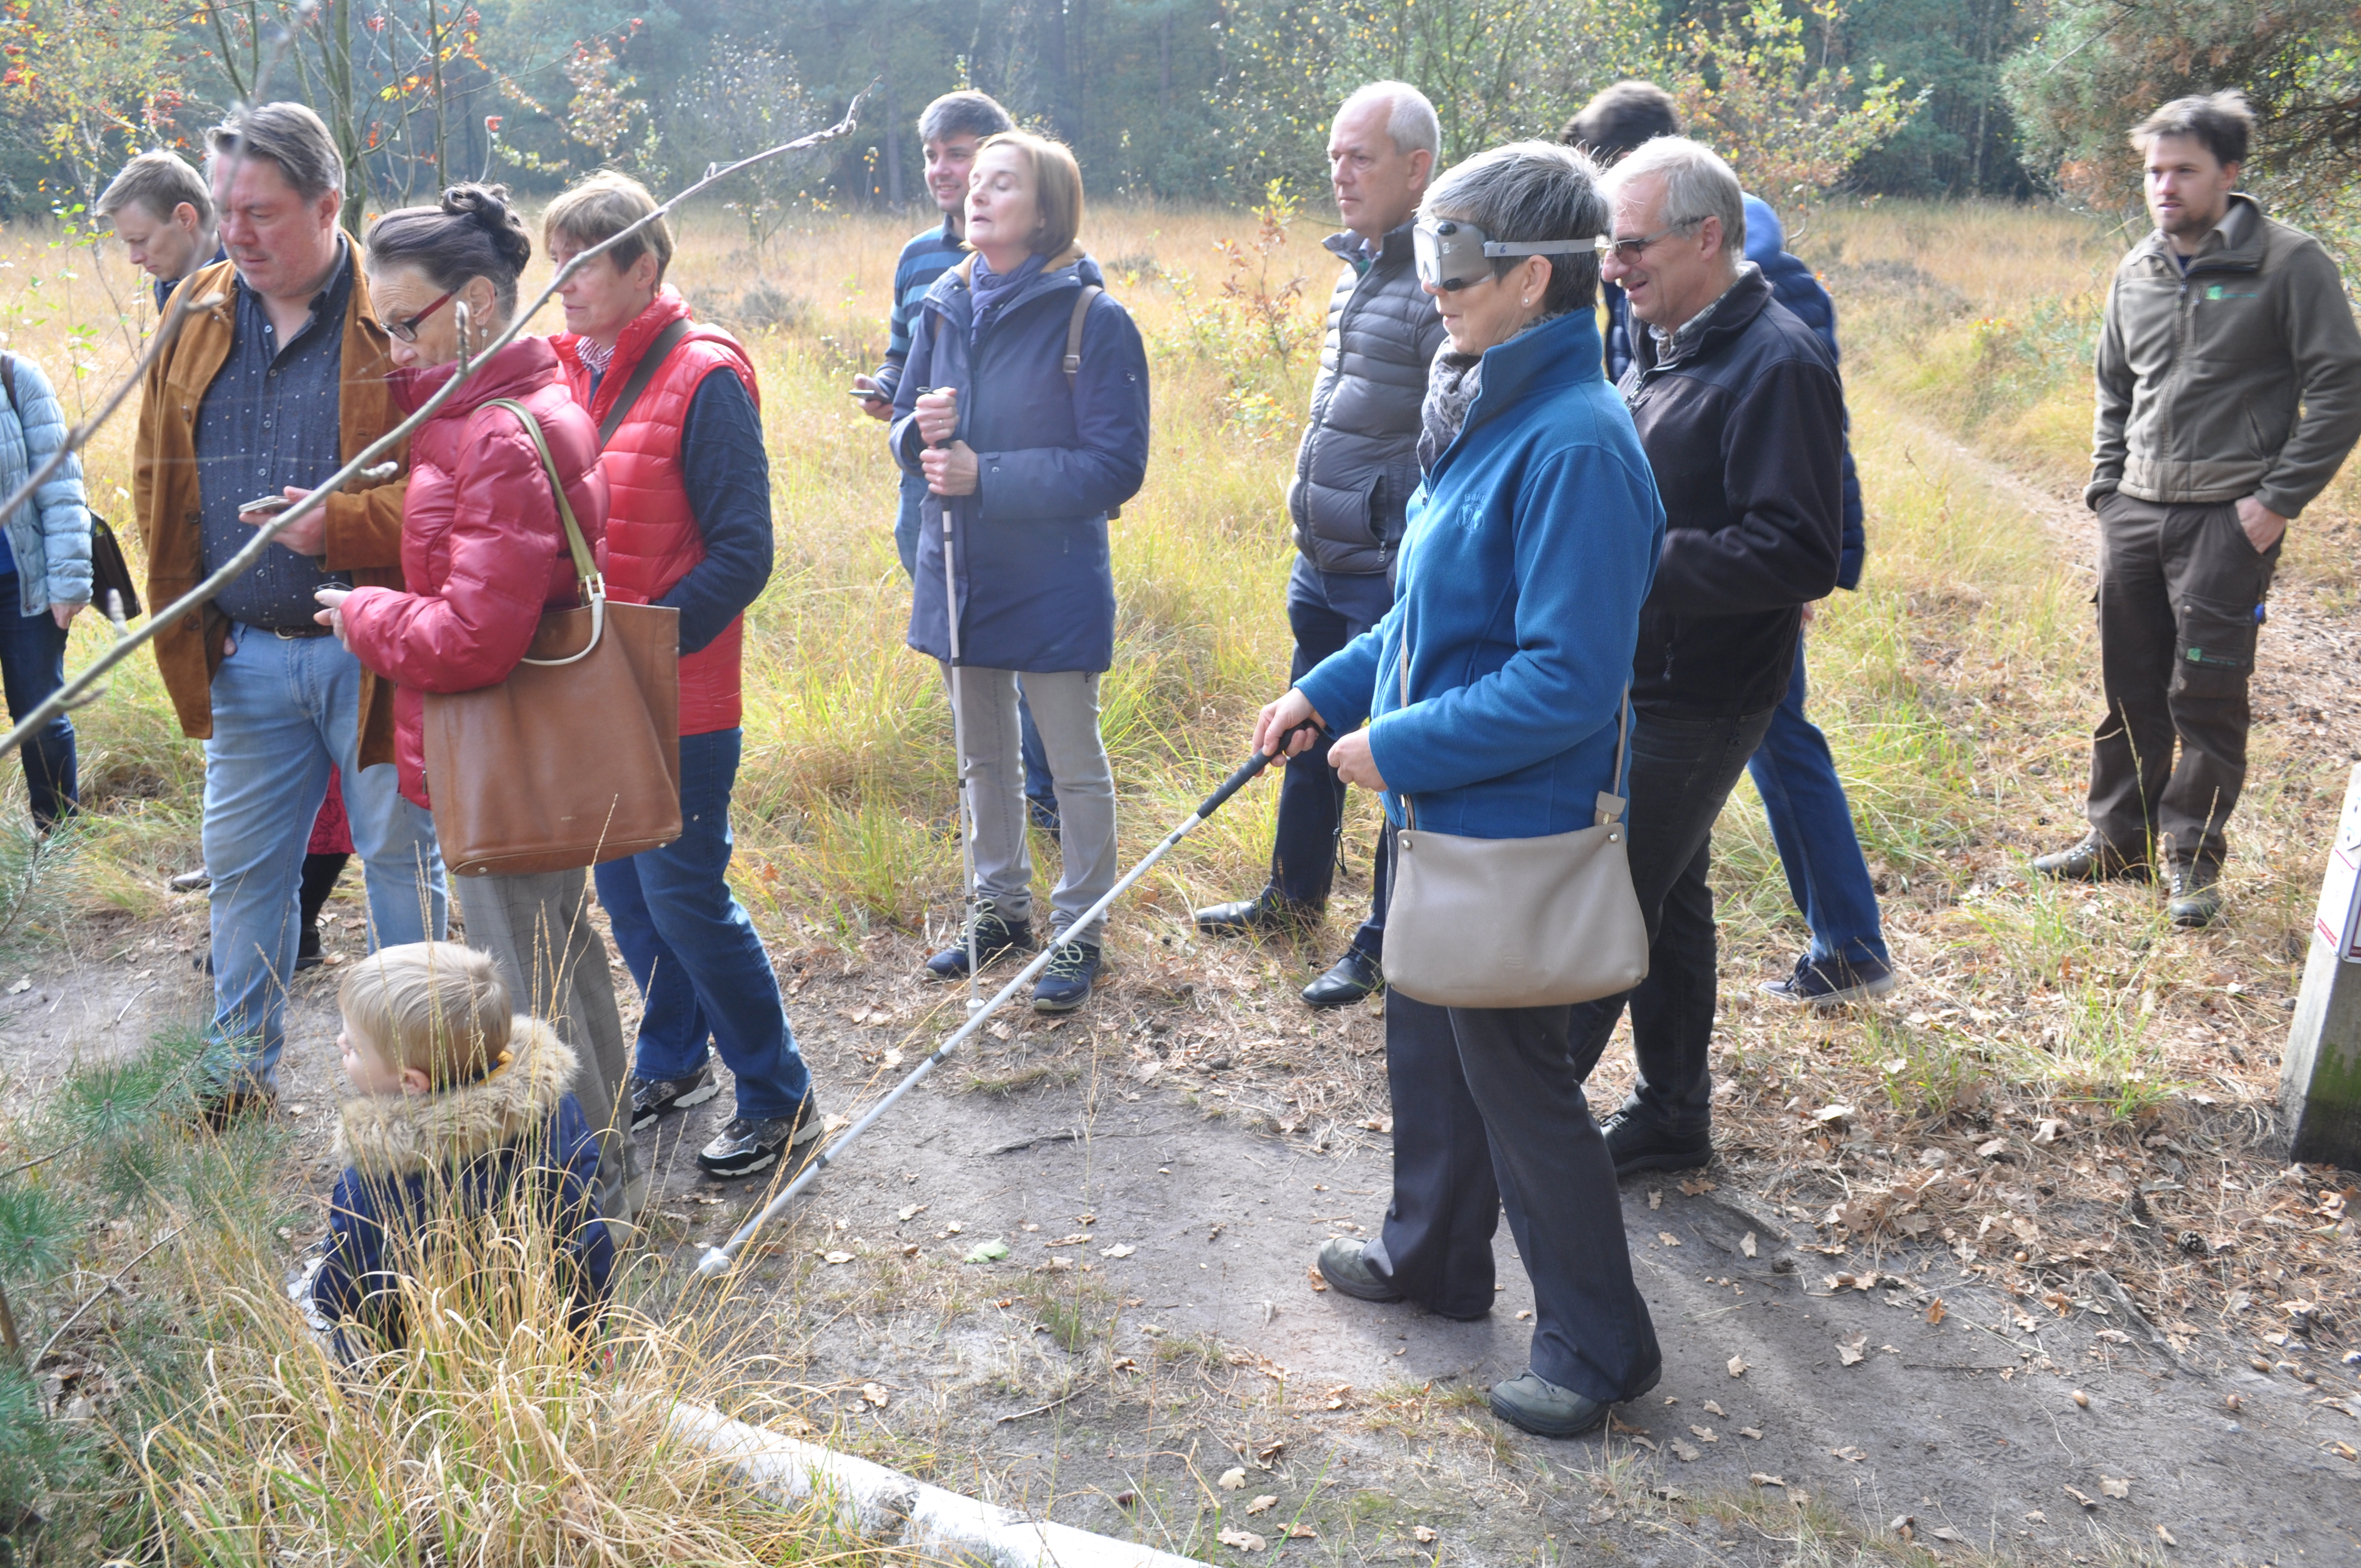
x=1530, y=549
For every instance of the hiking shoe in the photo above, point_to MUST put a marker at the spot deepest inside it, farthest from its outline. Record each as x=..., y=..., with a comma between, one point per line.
x=745, y=1148
x=1353, y=978
x=2196, y=896
x=1534, y=1404
x=995, y=938
x=1640, y=1143
x=2093, y=859
x=1831, y=982
x=1265, y=911
x=307, y=950
x=1066, y=983
x=1348, y=1272
x=1042, y=812
x=191, y=882
x=655, y=1098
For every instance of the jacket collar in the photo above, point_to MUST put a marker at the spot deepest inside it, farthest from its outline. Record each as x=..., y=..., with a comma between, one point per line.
x=1732, y=314
x=2242, y=256
x=525, y=366
x=401, y=1134
x=955, y=290
x=1556, y=355
x=666, y=308
x=1393, y=250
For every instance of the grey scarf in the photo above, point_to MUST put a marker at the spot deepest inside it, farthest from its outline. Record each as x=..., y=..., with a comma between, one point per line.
x=1452, y=384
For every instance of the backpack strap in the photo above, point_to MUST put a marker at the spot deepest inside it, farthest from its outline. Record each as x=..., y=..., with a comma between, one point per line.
x=642, y=374
x=1074, y=331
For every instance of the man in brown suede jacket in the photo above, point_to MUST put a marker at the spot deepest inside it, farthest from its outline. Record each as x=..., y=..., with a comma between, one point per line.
x=2229, y=393
x=275, y=380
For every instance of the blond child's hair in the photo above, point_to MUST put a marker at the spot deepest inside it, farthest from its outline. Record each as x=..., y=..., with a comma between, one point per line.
x=435, y=1006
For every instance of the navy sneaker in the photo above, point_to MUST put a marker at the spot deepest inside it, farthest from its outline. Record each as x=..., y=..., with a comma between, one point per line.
x=995, y=936
x=1066, y=983
x=1832, y=981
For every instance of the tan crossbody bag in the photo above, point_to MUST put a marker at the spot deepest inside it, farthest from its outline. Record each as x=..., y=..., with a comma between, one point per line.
x=574, y=759
x=1515, y=921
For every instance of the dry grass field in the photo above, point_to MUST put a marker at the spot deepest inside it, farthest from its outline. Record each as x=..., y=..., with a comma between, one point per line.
x=2065, y=1084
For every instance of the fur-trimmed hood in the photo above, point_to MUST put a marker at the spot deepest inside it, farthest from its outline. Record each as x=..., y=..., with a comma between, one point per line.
x=399, y=1134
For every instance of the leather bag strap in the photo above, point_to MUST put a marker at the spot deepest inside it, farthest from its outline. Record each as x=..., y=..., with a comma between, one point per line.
x=586, y=565
x=1073, y=362
x=642, y=374
x=1610, y=805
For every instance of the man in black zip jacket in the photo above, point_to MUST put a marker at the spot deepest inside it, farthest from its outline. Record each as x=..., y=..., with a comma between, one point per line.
x=1353, y=475
x=1740, y=412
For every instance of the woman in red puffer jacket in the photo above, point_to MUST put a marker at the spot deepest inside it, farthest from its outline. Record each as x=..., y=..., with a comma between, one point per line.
x=483, y=552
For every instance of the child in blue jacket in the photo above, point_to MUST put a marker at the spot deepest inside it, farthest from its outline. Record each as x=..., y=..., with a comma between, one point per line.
x=463, y=1107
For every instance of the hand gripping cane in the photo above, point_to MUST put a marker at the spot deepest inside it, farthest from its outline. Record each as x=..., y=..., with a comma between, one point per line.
x=717, y=1260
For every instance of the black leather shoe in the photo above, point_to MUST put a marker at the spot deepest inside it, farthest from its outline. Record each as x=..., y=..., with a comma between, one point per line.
x=1640, y=1143
x=1266, y=912
x=1355, y=977
x=2093, y=859
x=2196, y=896
x=1348, y=1272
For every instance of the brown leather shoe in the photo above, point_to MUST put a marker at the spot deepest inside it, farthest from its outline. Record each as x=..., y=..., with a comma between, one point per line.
x=2093, y=859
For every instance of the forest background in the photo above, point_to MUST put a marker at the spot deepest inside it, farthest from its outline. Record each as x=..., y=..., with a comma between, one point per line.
x=1176, y=100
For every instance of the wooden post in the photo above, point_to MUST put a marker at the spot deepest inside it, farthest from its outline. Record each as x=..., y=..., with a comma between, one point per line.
x=2320, y=1083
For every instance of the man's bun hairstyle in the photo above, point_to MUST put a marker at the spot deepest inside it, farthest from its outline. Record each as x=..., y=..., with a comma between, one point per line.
x=471, y=232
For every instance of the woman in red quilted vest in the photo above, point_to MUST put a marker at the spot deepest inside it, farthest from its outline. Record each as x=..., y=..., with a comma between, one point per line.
x=484, y=552
x=688, y=524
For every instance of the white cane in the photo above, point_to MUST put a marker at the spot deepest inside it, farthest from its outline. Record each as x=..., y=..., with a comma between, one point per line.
x=959, y=730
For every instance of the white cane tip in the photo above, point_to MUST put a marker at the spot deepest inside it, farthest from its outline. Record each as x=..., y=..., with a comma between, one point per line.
x=975, y=1004
x=713, y=1265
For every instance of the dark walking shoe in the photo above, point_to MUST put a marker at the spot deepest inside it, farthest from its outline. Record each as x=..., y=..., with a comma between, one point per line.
x=747, y=1148
x=1353, y=978
x=1348, y=1272
x=2196, y=896
x=655, y=1098
x=995, y=939
x=191, y=882
x=1042, y=814
x=1534, y=1404
x=307, y=950
x=1266, y=912
x=1639, y=1142
x=2093, y=859
x=1832, y=982
x=1066, y=983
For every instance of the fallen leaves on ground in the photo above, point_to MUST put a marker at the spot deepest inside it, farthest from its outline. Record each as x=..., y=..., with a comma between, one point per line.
x=1760, y=1479
x=2084, y=1498
x=1233, y=1478
x=1738, y=1366
x=1936, y=1311
x=1850, y=1352
x=1301, y=1532
x=1850, y=1454
x=992, y=1251
x=874, y=1393
x=1259, y=1504
x=1687, y=1453
x=1424, y=1532
x=2115, y=1487
x=1244, y=1539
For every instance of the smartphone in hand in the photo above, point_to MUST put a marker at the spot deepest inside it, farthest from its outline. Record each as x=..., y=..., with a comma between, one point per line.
x=264, y=505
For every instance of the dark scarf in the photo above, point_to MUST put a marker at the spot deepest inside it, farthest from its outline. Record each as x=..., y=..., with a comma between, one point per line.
x=1452, y=385
x=995, y=290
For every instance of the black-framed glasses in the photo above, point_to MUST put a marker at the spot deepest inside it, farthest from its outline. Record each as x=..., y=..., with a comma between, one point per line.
x=406, y=328
x=1628, y=251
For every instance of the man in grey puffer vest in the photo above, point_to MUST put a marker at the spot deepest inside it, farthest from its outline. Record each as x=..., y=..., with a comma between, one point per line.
x=1353, y=475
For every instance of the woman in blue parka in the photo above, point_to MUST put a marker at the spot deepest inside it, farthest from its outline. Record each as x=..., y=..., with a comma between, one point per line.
x=1530, y=548
x=1024, y=454
x=44, y=579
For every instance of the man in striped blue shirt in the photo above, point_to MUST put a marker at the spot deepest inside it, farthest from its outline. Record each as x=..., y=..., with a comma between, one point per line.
x=950, y=130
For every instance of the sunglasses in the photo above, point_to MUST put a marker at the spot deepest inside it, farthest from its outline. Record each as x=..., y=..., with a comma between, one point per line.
x=1629, y=251
x=1451, y=254
x=406, y=327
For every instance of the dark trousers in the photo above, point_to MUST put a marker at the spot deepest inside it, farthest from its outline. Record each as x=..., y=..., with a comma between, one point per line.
x=32, y=666
x=1682, y=772
x=1488, y=1112
x=2181, y=598
x=1325, y=610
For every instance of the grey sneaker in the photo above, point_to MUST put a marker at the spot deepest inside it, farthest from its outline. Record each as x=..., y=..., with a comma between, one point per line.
x=746, y=1148
x=655, y=1098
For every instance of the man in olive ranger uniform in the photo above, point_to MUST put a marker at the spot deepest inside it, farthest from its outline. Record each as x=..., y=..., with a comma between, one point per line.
x=2229, y=392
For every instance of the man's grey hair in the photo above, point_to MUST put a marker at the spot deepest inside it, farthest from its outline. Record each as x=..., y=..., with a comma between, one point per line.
x=1411, y=120
x=290, y=136
x=1529, y=191
x=160, y=182
x=964, y=114
x=1697, y=185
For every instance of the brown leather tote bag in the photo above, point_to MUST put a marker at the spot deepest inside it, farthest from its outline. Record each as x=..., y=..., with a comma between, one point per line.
x=574, y=759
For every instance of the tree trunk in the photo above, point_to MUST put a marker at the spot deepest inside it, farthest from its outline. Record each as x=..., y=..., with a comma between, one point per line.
x=892, y=143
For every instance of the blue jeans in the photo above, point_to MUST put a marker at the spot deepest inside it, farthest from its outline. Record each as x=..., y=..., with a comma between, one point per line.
x=700, y=966
x=1037, y=788
x=33, y=665
x=1812, y=824
x=1325, y=610
x=285, y=712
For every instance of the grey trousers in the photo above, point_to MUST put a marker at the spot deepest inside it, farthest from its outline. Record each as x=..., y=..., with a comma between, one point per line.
x=1065, y=704
x=537, y=929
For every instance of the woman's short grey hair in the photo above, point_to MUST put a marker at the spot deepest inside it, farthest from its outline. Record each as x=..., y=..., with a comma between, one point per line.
x=1410, y=122
x=290, y=136
x=1697, y=185
x=964, y=114
x=1528, y=191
